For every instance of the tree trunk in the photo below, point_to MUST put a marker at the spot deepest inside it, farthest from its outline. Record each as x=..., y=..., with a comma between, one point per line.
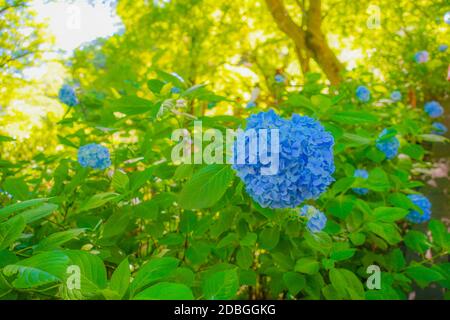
x=311, y=42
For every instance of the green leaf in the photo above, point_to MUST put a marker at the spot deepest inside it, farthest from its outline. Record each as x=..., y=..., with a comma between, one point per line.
x=206, y=187
x=269, y=237
x=40, y=269
x=132, y=105
x=17, y=187
x=244, y=257
x=155, y=269
x=120, y=279
x=341, y=206
x=432, y=138
x=340, y=255
x=55, y=240
x=294, y=282
x=92, y=274
x=155, y=85
x=139, y=178
x=220, y=285
x=97, y=201
x=416, y=241
x=354, y=117
x=39, y=212
x=389, y=214
x=10, y=231
x=423, y=275
x=166, y=291
x=346, y=284
x=387, y=231
x=120, y=181
x=307, y=265
x=439, y=233
x=16, y=207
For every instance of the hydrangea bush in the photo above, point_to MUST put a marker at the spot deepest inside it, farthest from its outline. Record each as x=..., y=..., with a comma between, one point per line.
x=112, y=203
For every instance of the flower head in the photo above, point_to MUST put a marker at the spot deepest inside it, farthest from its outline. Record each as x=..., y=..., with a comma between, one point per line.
x=305, y=161
x=94, y=155
x=68, y=96
x=316, y=218
x=388, y=145
x=279, y=78
x=363, y=94
x=361, y=173
x=396, y=95
x=433, y=109
x=422, y=56
x=439, y=128
x=443, y=47
x=424, y=204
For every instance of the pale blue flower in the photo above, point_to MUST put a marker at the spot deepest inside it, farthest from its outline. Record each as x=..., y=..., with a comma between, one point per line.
x=447, y=17
x=317, y=220
x=434, y=109
x=306, y=162
x=95, y=156
x=443, y=47
x=363, y=94
x=389, y=146
x=422, y=56
x=424, y=204
x=396, y=96
x=440, y=128
x=68, y=96
x=279, y=78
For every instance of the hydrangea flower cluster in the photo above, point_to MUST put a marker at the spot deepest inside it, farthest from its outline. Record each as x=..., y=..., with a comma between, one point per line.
x=439, y=128
x=68, y=96
x=316, y=218
x=443, y=47
x=389, y=146
x=363, y=94
x=434, y=109
x=424, y=204
x=279, y=78
x=396, y=96
x=361, y=173
x=95, y=156
x=422, y=56
x=305, y=164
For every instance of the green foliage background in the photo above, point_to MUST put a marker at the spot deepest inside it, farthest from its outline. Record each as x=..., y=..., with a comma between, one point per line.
x=149, y=229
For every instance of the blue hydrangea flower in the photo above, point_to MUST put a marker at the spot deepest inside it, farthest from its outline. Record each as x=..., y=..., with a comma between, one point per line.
x=305, y=162
x=447, y=17
x=251, y=104
x=361, y=173
x=175, y=90
x=424, y=204
x=279, y=78
x=389, y=146
x=443, y=47
x=396, y=96
x=422, y=56
x=363, y=94
x=433, y=109
x=316, y=218
x=95, y=156
x=68, y=96
x=440, y=128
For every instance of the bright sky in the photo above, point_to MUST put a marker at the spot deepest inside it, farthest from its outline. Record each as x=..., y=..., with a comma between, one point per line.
x=75, y=23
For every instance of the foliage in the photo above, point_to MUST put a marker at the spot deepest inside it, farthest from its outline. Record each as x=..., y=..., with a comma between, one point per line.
x=135, y=225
